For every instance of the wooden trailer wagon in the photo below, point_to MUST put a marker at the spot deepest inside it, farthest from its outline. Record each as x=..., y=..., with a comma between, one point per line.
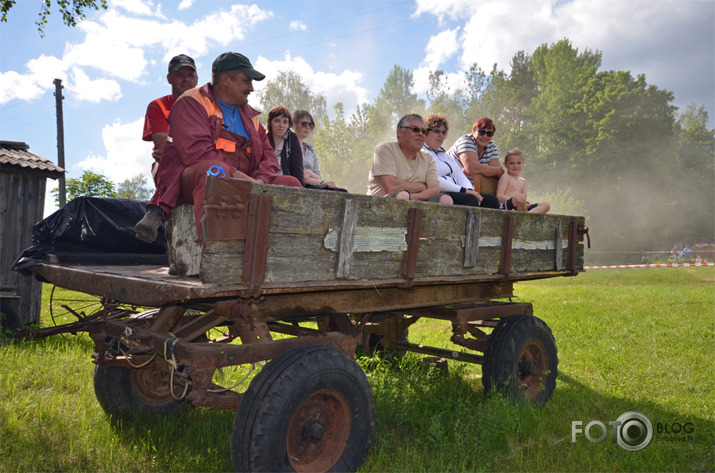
x=362, y=269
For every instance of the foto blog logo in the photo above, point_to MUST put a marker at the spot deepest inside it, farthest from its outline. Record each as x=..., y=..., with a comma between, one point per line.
x=632, y=431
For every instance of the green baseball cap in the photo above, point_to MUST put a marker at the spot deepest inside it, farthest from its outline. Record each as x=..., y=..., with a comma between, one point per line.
x=231, y=61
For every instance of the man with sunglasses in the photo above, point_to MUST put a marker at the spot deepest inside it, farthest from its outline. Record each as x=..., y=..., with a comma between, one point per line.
x=402, y=170
x=477, y=152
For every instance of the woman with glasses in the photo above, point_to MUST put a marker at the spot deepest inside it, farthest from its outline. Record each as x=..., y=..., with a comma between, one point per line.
x=452, y=180
x=477, y=152
x=285, y=143
x=304, y=124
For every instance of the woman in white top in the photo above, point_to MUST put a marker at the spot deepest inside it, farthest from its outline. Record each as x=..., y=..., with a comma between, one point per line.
x=452, y=180
x=303, y=124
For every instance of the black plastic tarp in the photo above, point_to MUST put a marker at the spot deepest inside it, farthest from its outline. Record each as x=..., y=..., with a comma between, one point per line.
x=93, y=230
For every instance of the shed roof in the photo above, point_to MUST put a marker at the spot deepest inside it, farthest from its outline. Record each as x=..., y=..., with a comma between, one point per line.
x=16, y=153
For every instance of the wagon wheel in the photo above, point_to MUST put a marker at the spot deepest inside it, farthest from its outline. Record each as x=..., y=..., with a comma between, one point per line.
x=79, y=302
x=521, y=360
x=63, y=308
x=125, y=391
x=310, y=409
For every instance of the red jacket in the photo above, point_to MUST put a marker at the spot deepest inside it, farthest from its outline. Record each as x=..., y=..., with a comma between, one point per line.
x=196, y=133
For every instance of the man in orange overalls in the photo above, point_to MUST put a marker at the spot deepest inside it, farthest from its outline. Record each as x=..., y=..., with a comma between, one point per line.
x=212, y=125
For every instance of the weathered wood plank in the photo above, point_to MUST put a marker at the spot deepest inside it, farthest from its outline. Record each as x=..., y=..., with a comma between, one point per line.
x=559, y=247
x=184, y=248
x=346, y=239
x=471, y=238
x=323, y=236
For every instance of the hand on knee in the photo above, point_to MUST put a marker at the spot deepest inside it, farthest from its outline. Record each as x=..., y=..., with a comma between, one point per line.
x=404, y=195
x=519, y=201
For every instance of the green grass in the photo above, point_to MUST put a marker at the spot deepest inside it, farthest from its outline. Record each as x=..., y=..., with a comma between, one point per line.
x=628, y=340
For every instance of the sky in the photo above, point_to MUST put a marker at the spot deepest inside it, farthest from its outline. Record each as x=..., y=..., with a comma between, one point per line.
x=114, y=62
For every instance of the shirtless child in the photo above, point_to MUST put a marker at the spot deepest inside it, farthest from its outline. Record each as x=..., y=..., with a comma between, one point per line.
x=511, y=189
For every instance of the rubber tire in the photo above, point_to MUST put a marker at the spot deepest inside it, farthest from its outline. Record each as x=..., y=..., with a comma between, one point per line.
x=276, y=395
x=11, y=321
x=515, y=337
x=118, y=393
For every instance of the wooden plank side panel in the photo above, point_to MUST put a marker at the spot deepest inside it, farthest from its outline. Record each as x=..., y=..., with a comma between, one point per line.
x=305, y=236
x=302, y=211
x=305, y=242
x=222, y=262
x=444, y=258
x=295, y=258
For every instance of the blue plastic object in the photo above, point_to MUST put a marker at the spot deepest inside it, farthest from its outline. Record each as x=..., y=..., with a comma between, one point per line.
x=216, y=171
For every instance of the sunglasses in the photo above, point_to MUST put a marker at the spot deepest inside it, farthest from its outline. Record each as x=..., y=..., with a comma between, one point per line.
x=415, y=129
x=438, y=131
x=485, y=132
x=310, y=124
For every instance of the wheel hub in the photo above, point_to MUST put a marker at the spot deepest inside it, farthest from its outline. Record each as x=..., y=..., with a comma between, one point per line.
x=313, y=431
x=531, y=369
x=318, y=432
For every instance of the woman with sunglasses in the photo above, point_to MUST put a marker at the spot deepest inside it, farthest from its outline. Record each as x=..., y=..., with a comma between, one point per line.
x=452, y=180
x=304, y=124
x=285, y=143
x=477, y=152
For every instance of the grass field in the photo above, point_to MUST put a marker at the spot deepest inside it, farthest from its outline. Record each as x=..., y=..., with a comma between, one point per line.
x=628, y=339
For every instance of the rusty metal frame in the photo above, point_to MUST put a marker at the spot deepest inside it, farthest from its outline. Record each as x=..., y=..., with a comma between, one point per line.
x=201, y=359
x=572, y=246
x=225, y=209
x=256, y=249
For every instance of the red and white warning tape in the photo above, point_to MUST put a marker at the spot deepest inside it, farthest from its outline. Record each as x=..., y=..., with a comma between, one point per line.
x=665, y=265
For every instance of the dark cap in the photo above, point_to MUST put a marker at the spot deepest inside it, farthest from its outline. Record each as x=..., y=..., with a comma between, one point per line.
x=231, y=61
x=182, y=60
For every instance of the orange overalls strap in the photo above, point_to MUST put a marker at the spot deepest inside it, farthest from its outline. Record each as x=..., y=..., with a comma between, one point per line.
x=213, y=110
x=163, y=108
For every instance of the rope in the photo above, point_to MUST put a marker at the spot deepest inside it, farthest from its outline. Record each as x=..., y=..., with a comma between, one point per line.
x=130, y=361
x=173, y=366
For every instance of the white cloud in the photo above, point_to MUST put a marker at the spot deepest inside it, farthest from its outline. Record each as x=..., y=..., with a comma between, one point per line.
x=126, y=156
x=297, y=25
x=440, y=48
x=18, y=86
x=138, y=7
x=452, y=9
x=660, y=38
x=83, y=88
x=224, y=27
x=42, y=71
x=185, y=4
x=344, y=87
x=117, y=45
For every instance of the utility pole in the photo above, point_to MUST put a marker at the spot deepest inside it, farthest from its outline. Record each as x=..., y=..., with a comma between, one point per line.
x=60, y=139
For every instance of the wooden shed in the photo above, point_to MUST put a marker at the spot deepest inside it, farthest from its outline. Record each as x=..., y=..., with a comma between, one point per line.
x=23, y=175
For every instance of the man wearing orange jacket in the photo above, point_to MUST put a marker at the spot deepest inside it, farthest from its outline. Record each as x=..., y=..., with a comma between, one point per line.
x=212, y=125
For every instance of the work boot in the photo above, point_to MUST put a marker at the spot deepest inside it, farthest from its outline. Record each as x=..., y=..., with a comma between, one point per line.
x=148, y=227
